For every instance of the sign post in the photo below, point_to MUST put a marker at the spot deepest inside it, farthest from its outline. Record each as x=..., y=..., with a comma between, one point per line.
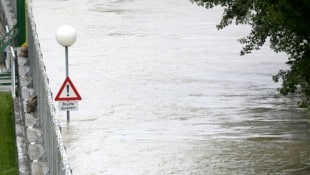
x=66, y=36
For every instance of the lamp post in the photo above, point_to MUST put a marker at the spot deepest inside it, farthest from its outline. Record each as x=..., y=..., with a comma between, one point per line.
x=66, y=36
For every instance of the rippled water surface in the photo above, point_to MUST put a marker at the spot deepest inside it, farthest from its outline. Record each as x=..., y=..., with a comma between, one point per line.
x=165, y=92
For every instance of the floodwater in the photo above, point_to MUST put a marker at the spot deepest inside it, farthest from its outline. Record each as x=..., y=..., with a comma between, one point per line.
x=164, y=92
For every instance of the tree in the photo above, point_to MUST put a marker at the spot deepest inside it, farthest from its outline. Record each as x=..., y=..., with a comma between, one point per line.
x=286, y=24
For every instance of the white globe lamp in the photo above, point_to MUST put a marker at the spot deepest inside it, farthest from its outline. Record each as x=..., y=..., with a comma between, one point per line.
x=66, y=35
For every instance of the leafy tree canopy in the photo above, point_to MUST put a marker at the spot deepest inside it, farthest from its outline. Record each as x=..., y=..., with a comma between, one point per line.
x=286, y=23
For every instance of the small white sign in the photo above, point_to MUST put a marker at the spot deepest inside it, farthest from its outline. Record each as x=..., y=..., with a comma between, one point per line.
x=68, y=105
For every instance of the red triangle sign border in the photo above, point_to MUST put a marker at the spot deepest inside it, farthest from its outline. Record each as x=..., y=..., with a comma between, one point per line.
x=58, y=98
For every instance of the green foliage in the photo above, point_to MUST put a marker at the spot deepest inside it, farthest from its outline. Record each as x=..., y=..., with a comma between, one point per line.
x=8, y=153
x=286, y=24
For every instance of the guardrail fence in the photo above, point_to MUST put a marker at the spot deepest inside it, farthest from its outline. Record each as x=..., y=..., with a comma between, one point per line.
x=52, y=139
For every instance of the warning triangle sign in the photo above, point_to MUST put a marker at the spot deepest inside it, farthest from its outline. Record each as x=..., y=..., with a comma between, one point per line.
x=67, y=92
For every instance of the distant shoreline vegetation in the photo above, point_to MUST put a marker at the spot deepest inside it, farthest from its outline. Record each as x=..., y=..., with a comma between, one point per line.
x=286, y=25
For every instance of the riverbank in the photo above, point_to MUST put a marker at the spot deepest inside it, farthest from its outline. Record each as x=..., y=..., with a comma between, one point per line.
x=8, y=153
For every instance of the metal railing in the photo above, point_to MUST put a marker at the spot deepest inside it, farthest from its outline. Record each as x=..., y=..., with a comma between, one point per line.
x=12, y=59
x=8, y=38
x=52, y=139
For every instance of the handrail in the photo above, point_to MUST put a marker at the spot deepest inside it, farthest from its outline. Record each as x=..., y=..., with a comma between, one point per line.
x=8, y=38
x=7, y=33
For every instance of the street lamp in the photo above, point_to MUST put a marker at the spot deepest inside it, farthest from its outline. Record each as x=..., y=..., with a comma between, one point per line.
x=66, y=36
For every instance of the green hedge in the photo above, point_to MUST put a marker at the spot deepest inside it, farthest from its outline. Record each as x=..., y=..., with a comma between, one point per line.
x=8, y=153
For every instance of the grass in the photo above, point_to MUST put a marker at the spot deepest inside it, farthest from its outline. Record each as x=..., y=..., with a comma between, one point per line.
x=8, y=153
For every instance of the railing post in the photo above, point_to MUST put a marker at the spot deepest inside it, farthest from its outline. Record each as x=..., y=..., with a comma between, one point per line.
x=21, y=21
x=13, y=76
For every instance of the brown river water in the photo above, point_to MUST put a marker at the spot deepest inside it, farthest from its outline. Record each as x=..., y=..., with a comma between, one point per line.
x=164, y=92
